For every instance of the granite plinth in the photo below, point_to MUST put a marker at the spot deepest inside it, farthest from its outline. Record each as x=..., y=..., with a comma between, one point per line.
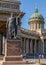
x=13, y=47
x=13, y=53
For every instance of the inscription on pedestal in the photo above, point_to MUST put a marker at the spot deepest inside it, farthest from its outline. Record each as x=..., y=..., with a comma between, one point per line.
x=13, y=48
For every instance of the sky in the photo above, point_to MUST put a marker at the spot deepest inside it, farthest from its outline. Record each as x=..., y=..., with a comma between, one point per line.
x=28, y=7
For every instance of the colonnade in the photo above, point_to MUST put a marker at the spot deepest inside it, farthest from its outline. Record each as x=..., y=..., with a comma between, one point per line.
x=29, y=46
x=34, y=26
x=33, y=46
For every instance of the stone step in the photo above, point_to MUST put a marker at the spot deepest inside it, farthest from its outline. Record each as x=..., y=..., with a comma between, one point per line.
x=17, y=63
x=13, y=58
x=14, y=63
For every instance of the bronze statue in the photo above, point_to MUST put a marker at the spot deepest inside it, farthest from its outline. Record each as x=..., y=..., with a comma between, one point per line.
x=12, y=27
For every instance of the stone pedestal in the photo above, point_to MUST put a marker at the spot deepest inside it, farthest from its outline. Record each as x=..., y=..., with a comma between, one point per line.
x=13, y=52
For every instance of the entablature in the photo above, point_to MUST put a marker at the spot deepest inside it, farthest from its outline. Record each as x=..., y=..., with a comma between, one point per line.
x=28, y=34
x=6, y=6
x=34, y=33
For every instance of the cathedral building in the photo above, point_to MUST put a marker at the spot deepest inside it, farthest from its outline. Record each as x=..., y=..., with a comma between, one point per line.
x=33, y=40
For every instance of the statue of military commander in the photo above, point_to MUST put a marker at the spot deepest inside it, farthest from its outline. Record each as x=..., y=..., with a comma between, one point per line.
x=12, y=27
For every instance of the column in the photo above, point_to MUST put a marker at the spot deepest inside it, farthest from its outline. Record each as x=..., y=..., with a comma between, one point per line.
x=27, y=46
x=43, y=45
x=5, y=49
x=35, y=47
x=24, y=44
x=31, y=46
x=21, y=42
x=0, y=44
x=34, y=26
x=37, y=25
x=39, y=46
x=40, y=26
x=42, y=48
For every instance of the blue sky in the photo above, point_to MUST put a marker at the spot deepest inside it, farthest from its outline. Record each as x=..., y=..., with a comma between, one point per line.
x=28, y=7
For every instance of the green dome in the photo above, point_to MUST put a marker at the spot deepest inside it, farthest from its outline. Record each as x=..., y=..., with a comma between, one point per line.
x=36, y=16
